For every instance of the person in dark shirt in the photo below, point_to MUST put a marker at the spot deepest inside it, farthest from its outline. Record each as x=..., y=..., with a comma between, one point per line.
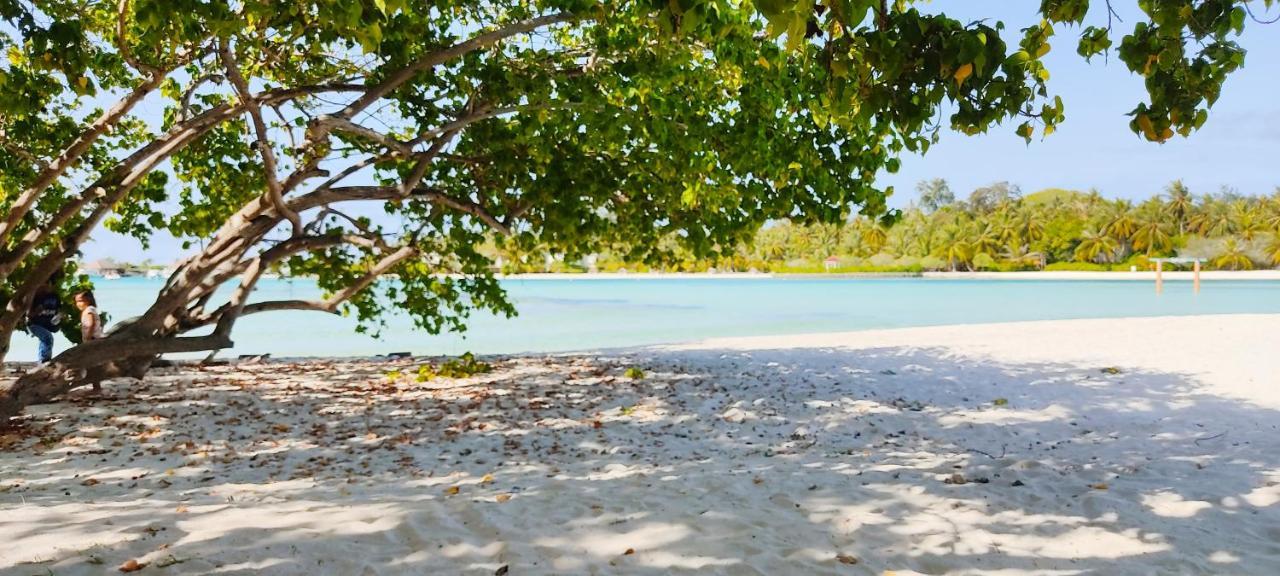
x=43, y=319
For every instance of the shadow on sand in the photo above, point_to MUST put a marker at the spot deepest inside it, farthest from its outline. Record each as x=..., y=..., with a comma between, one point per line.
x=824, y=461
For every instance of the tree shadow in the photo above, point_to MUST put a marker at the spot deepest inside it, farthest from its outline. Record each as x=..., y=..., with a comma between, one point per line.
x=717, y=461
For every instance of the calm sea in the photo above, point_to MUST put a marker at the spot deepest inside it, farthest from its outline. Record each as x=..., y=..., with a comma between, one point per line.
x=579, y=314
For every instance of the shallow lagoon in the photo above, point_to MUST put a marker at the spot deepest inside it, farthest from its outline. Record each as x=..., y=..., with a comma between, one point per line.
x=573, y=314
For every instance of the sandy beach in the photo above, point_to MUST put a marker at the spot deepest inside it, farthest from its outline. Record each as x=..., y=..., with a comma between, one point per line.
x=1118, y=446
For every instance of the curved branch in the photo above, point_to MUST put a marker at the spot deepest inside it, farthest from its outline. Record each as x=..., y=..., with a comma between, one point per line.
x=274, y=191
x=403, y=75
x=228, y=314
x=329, y=196
x=185, y=103
x=337, y=124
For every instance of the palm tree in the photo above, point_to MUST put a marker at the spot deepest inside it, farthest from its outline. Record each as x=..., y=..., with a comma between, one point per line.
x=1180, y=204
x=1273, y=249
x=1152, y=236
x=985, y=239
x=1212, y=219
x=1120, y=221
x=1248, y=221
x=1096, y=245
x=873, y=235
x=1271, y=212
x=1233, y=256
x=1021, y=255
x=954, y=246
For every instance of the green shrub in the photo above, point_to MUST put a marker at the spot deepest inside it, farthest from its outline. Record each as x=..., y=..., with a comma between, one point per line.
x=461, y=367
x=933, y=263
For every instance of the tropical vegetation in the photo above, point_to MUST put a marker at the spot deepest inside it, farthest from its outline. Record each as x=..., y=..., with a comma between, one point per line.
x=995, y=229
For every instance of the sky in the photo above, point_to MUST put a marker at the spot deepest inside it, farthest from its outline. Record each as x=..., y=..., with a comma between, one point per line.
x=1093, y=148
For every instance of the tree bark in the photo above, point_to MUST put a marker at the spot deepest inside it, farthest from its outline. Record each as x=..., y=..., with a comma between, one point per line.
x=118, y=355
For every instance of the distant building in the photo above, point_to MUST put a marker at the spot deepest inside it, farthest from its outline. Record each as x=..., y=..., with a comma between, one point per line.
x=831, y=263
x=106, y=267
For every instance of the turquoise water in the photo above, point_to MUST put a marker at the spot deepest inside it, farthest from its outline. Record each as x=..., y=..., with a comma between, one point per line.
x=576, y=314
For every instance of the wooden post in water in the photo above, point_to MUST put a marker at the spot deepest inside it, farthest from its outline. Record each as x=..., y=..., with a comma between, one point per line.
x=1196, y=275
x=1159, y=276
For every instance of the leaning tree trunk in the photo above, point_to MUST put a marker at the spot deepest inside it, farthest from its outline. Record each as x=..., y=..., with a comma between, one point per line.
x=64, y=375
x=121, y=354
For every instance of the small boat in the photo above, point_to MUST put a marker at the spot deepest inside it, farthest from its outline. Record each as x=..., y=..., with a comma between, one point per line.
x=110, y=276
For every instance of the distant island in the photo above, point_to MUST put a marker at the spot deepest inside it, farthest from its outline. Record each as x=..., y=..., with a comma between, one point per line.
x=996, y=229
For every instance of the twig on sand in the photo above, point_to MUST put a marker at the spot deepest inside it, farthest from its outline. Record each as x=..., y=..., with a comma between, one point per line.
x=1003, y=450
x=1218, y=435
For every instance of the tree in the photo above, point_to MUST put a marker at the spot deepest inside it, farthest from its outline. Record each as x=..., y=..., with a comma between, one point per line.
x=1273, y=250
x=666, y=120
x=1247, y=220
x=1120, y=224
x=1152, y=236
x=1096, y=246
x=1179, y=204
x=987, y=198
x=934, y=194
x=954, y=247
x=873, y=236
x=1234, y=256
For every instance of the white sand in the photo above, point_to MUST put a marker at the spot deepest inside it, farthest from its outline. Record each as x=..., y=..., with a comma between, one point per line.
x=1139, y=447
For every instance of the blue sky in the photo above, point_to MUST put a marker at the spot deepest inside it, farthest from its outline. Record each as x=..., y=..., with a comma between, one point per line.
x=1092, y=149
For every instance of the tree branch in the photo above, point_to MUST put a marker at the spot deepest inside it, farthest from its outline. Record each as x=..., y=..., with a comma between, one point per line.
x=403, y=75
x=274, y=191
x=71, y=154
x=337, y=124
x=329, y=304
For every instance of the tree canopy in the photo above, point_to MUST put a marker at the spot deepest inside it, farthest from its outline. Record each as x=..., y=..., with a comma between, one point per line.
x=570, y=124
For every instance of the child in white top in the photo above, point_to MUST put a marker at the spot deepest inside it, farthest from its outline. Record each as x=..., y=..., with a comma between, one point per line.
x=90, y=321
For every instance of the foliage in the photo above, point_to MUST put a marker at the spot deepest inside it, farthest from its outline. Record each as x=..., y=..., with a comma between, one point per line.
x=464, y=366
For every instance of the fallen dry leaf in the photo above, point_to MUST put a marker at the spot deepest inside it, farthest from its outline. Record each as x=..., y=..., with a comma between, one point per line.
x=181, y=509
x=487, y=479
x=452, y=490
x=846, y=559
x=757, y=480
x=132, y=566
x=502, y=497
x=629, y=552
x=1099, y=486
x=90, y=482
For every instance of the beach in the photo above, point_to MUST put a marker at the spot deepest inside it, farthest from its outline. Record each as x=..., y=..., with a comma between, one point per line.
x=1109, y=446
